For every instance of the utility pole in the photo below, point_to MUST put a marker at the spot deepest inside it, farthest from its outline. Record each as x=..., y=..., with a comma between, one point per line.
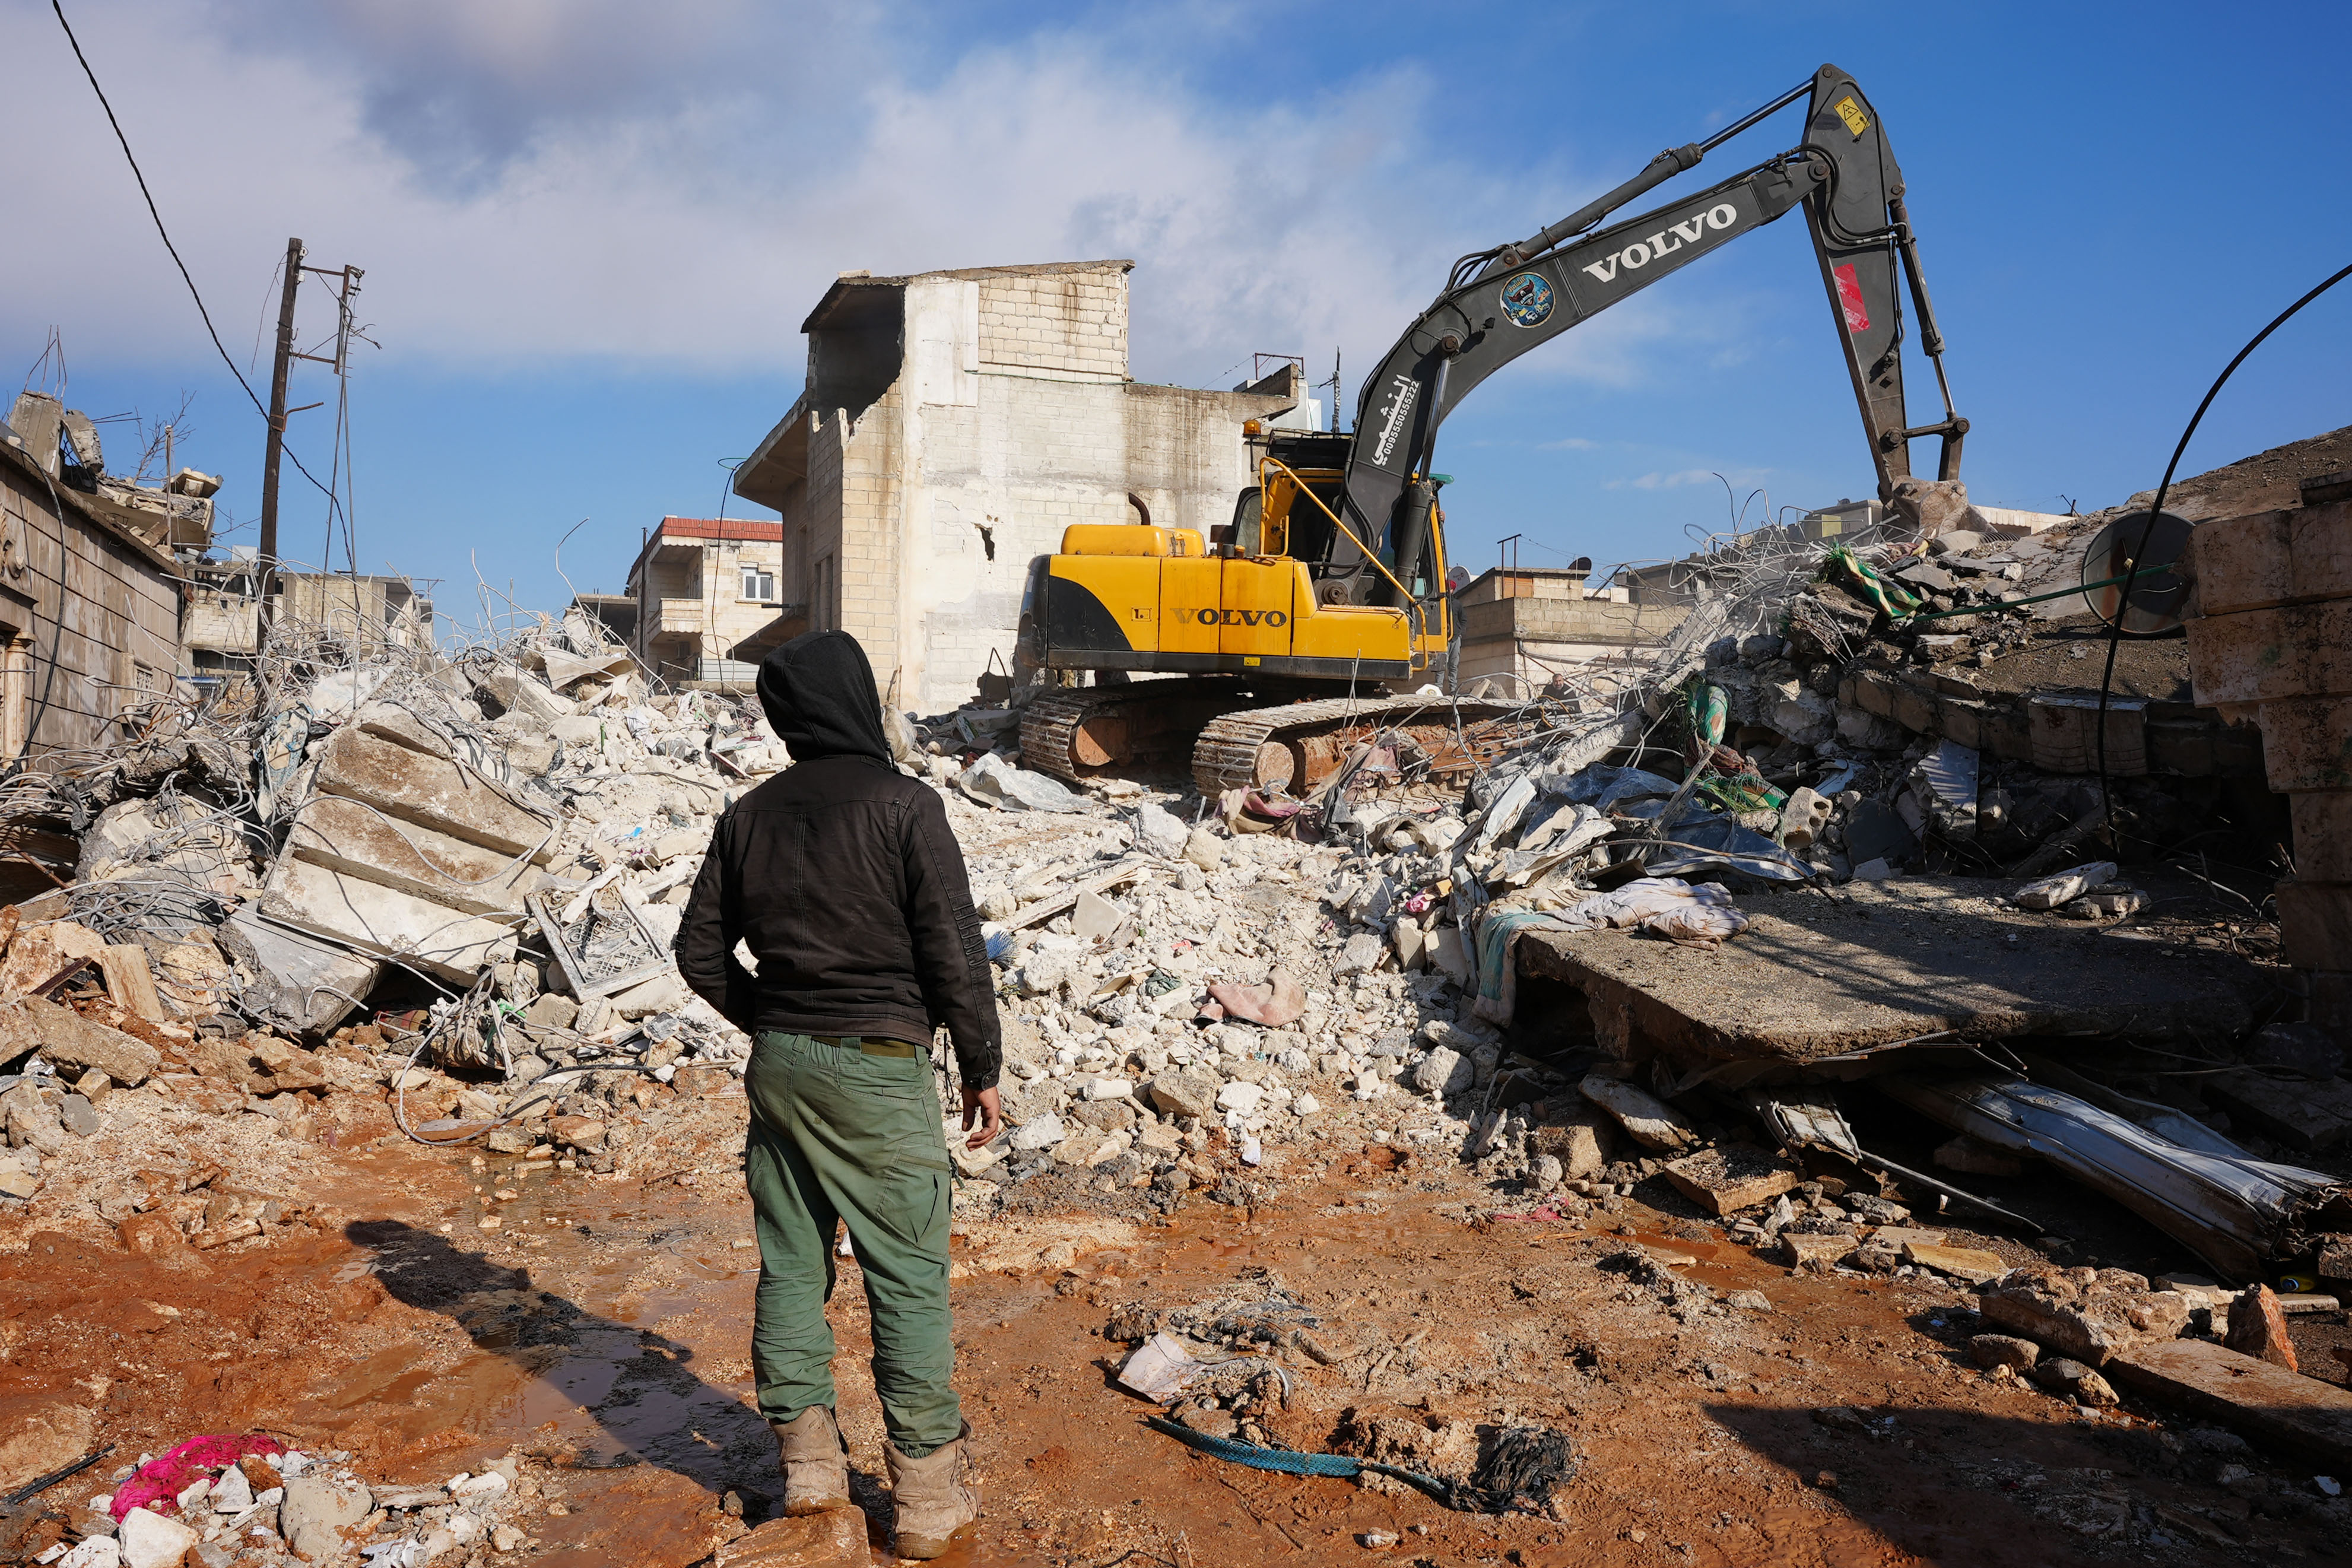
x=267, y=574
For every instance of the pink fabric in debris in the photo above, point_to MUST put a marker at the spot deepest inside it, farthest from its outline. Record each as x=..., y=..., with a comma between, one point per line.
x=160, y=1481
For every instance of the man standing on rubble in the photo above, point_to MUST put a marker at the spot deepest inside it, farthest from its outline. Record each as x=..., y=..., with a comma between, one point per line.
x=842, y=879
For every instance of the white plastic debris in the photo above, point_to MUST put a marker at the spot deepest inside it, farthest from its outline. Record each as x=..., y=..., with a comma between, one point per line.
x=1160, y=1368
x=2066, y=886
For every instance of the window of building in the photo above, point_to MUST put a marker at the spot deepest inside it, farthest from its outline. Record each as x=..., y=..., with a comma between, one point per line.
x=821, y=609
x=759, y=582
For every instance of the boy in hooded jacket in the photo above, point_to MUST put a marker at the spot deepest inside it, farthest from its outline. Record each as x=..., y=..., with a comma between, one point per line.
x=842, y=880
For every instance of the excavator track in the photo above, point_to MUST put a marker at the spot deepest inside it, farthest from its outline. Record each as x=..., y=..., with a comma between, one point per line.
x=1241, y=734
x=1297, y=746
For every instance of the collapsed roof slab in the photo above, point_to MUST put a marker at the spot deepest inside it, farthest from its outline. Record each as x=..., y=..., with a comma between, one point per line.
x=1821, y=979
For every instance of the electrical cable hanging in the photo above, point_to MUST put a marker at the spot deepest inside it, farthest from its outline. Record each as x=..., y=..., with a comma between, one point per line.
x=2155, y=510
x=138, y=175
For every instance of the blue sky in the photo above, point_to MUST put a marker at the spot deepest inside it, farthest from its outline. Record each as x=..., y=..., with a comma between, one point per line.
x=591, y=228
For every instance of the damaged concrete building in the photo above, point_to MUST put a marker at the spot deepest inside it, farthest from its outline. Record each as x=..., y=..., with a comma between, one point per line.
x=700, y=588
x=90, y=598
x=953, y=424
x=1523, y=626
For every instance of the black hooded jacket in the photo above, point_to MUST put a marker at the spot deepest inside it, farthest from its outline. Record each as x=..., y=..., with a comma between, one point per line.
x=841, y=876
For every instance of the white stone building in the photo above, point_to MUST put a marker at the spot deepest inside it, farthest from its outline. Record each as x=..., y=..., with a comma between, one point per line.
x=953, y=424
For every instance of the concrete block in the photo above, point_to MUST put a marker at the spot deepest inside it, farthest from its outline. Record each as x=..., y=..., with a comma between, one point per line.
x=130, y=980
x=1732, y=1176
x=353, y=838
x=2065, y=731
x=2299, y=556
x=41, y=954
x=2315, y=923
x=73, y=1044
x=2304, y=1115
x=2294, y=650
x=1859, y=727
x=1960, y=719
x=430, y=792
x=2305, y=743
x=2006, y=732
x=1914, y=710
x=524, y=695
x=302, y=984
x=384, y=921
x=2275, y=1407
x=2323, y=835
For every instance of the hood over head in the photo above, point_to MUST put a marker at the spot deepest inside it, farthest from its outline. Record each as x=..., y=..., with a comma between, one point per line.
x=818, y=691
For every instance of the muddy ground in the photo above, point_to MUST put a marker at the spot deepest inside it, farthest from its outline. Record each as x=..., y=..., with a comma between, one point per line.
x=601, y=1331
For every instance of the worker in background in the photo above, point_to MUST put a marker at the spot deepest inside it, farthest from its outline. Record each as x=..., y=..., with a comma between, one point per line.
x=843, y=881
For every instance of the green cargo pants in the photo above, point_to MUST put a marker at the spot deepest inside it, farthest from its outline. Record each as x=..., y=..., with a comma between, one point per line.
x=839, y=1132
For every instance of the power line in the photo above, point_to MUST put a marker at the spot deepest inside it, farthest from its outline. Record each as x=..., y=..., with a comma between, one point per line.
x=136, y=174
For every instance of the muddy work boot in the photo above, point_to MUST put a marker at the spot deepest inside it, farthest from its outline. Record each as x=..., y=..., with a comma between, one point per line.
x=814, y=1461
x=932, y=1501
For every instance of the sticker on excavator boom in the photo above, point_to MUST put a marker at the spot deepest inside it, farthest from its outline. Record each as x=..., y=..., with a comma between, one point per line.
x=1850, y=300
x=1527, y=299
x=1851, y=112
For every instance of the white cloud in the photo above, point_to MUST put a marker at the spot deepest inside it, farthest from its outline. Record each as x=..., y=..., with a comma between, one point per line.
x=549, y=182
x=1657, y=481
x=1568, y=443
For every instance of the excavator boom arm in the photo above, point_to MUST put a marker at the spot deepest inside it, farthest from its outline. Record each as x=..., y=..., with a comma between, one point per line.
x=1524, y=295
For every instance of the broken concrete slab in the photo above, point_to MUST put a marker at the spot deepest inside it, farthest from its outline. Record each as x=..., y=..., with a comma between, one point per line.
x=301, y=983
x=130, y=980
x=564, y=670
x=1972, y=1264
x=2265, y=1403
x=2303, y=1114
x=384, y=921
x=360, y=841
x=1801, y=1250
x=1882, y=962
x=525, y=697
x=2090, y=1327
x=73, y=1044
x=2258, y=1328
x=1648, y=1121
x=40, y=955
x=834, y=1539
x=2049, y=892
x=430, y=792
x=1732, y=1176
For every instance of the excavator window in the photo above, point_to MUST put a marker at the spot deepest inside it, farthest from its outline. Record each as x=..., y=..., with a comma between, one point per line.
x=1249, y=516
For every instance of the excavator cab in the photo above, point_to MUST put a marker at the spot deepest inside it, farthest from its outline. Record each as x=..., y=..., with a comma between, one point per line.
x=1271, y=594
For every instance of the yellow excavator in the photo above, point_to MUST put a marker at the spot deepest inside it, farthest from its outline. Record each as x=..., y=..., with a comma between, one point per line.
x=1328, y=590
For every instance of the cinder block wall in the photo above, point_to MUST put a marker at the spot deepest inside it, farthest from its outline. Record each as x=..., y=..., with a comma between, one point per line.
x=2270, y=641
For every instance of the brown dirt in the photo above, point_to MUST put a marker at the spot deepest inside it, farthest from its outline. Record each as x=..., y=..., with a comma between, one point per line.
x=603, y=1328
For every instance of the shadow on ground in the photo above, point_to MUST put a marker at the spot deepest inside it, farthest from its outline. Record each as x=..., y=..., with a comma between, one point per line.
x=1928, y=1478
x=638, y=1389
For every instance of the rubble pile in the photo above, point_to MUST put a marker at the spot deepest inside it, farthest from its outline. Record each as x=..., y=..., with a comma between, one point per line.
x=219, y=1500
x=1190, y=982
x=377, y=874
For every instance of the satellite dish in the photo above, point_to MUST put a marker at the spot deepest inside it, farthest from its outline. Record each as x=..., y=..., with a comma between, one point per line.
x=2159, y=592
